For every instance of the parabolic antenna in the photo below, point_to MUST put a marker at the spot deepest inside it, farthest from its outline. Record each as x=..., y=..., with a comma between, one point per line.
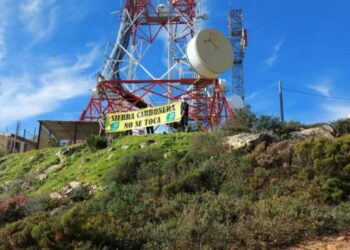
x=210, y=53
x=94, y=92
x=237, y=102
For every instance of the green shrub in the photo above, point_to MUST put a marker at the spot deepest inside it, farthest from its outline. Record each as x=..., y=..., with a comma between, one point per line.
x=18, y=235
x=128, y=166
x=2, y=154
x=172, y=168
x=96, y=142
x=332, y=191
x=275, y=223
x=277, y=155
x=342, y=126
x=242, y=121
x=324, y=163
x=342, y=216
x=206, y=146
x=202, y=179
x=13, y=209
x=268, y=123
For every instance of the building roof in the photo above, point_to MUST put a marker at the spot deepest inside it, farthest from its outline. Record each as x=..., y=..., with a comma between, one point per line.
x=71, y=130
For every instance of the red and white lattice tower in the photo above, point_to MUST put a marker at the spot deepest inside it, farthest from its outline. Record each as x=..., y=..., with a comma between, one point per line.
x=136, y=76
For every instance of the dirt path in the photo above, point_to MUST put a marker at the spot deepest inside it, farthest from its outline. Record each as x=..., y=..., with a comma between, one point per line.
x=340, y=242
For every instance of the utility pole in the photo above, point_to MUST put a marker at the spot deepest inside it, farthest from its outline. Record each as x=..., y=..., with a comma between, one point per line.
x=18, y=127
x=34, y=134
x=280, y=91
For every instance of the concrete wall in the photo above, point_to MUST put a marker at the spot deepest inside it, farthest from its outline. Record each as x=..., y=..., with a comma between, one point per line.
x=21, y=145
x=44, y=137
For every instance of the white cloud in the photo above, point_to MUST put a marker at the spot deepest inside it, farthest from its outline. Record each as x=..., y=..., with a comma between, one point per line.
x=24, y=97
x=39, y=17
x=321, y=88
x=337, y=110
x=272, y=59
x=251, y=96
x=2, y=43
x=4, y=14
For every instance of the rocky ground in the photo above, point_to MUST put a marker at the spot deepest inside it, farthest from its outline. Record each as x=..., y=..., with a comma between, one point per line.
x=339, y=242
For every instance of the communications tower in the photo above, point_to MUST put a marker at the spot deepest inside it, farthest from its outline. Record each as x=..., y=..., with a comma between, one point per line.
x=239, y=40
x=148, y=65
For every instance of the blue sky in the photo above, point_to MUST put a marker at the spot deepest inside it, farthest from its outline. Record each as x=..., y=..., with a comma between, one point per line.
x=50, y=51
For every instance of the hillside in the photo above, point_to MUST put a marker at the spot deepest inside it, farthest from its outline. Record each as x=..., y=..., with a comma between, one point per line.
x=43, y=171
x=176, y=191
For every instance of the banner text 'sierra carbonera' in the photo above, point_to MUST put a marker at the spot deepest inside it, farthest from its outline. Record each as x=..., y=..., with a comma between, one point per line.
x=138, y=119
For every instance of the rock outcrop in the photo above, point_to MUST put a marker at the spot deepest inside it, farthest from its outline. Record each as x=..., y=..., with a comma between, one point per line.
x=246, y=140
x=323, y=131
x=74, y=191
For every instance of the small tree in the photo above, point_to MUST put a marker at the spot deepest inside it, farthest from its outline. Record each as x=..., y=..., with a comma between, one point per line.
x=342, y=126
x=268, y=123
x=242, y=121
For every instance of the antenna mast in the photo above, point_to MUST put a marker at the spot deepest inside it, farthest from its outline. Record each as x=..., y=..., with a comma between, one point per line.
x=135, y=76
x=239, y=40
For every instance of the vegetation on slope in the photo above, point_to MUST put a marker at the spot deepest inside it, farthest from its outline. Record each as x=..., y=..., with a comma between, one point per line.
x=180, y=191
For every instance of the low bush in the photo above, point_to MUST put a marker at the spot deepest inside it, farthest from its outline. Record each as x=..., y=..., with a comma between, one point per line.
x=342, y=126
x=96, y=142
x=205, y=146
x=13, y=209
x=267, y=124
x=128, y=167
x=201, y=179
x=242, y=121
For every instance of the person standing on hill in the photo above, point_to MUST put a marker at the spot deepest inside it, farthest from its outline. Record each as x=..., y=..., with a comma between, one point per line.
x=184, y=114
x=150, y=129
x=102, y=123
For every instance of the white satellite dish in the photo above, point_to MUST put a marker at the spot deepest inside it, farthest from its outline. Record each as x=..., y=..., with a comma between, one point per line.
x=237, y=102
x=94, y=92
x=162, y=10
x=210, y=53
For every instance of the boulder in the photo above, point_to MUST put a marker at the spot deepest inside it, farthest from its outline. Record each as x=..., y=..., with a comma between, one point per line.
x=26, y=185
x=41, y=177
x=53, y=168
x=246, y=140
x=325, y=131
x=76, y=191
x=56, y=196
x=59, y=155
x=112, y=149
x=74, y=184
x=147, y=143
x=63, y=154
